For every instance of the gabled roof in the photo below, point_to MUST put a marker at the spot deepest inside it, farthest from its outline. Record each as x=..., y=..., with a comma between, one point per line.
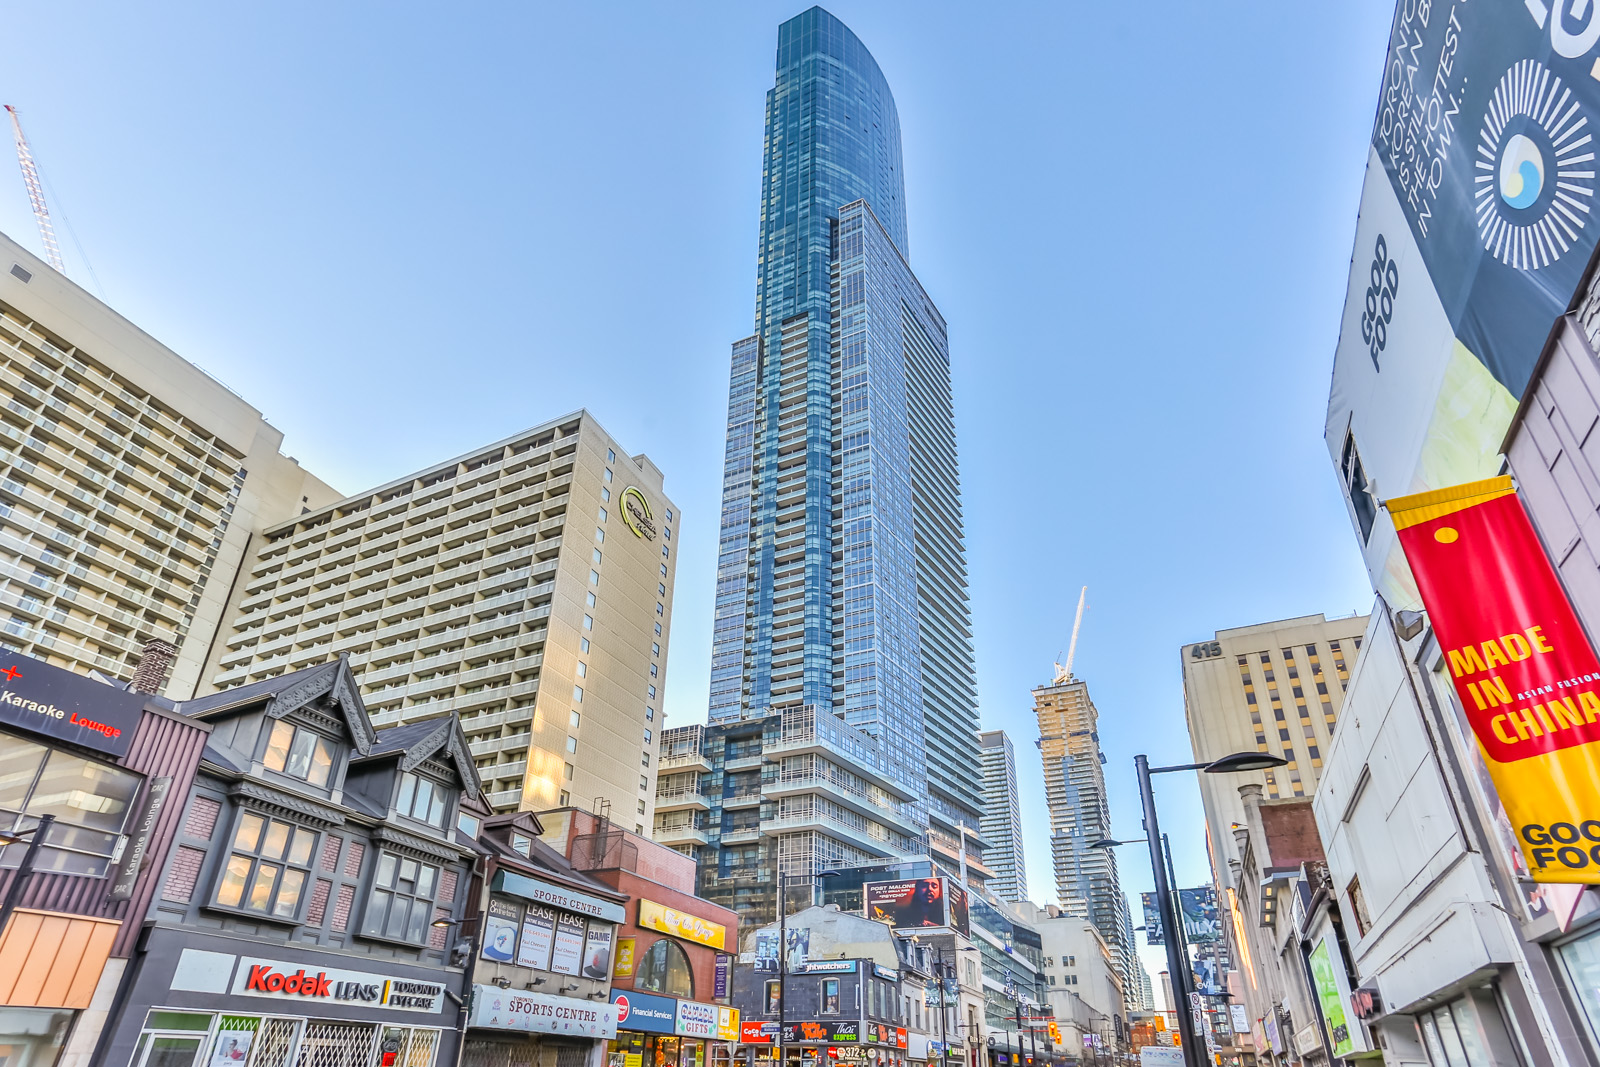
x=333, y=683
x=440, y=737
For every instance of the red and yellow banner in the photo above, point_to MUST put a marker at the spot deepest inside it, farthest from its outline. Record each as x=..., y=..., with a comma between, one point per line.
x=1523, y=666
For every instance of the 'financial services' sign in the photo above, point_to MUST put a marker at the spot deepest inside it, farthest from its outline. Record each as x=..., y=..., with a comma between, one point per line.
x=64, y=706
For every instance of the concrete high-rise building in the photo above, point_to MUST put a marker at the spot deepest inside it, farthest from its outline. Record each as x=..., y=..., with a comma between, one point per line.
x=1273, y=687
x=1087, y=883
x=527, y=585
x=131, y=483
x=1002, y=818
x=841, y=580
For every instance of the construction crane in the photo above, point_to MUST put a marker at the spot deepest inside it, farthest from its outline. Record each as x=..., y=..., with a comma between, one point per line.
x=1064, y=670
x=30, y=177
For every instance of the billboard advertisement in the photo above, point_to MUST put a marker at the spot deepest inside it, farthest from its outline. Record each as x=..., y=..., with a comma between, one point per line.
x=1521, y=664
x=1475, y=227
x=919, y=903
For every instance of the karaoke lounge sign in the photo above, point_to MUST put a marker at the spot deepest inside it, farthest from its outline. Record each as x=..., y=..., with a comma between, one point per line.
x=1521, y=662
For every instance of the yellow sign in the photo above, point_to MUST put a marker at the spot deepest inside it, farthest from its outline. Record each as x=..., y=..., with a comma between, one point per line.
x=624, y=958
x=636, y=513
x=653, y=916
x=728, y=1024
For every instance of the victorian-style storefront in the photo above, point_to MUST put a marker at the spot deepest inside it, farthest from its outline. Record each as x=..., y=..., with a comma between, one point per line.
x=306, y=908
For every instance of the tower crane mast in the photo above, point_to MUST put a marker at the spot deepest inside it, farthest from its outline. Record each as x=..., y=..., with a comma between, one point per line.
x=30, y=177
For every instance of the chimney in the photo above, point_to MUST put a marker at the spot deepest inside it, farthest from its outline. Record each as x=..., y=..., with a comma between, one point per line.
x=155, y=663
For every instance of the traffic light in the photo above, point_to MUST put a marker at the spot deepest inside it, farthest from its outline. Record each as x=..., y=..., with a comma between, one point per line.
x=1055, y=1032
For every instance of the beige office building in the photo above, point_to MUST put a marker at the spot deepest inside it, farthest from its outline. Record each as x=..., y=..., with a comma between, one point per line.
x=1274, y=687
x=131, y=483
x=527, y=585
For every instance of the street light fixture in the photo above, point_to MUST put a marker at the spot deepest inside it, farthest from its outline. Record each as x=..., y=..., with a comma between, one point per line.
x=1171, y=917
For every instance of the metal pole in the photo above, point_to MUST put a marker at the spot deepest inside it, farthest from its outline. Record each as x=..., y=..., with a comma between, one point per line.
x=944, y=1035
x=19, y=880
x=1187, y=971
x=1175, y=960
x=783, y=964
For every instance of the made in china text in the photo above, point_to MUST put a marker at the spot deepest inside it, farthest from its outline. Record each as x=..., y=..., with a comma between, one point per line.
x=1552, y=716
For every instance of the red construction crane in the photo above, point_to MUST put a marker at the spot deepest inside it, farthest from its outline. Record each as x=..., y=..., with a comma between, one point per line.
x=30, y=177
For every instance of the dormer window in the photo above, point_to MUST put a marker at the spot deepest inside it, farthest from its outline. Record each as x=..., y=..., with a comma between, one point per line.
x=299, y=753
x=422, y=799
x=521, y=844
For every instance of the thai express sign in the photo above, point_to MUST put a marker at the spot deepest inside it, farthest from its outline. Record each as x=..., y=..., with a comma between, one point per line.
x=1521, y=663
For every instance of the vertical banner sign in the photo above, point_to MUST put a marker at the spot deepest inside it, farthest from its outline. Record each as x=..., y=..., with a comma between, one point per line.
x=1152, y=920
x=133, y=857
x=719, y=980
x=1521, y=662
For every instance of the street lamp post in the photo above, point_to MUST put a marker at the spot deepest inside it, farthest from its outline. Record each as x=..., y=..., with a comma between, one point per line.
x=783, y=951
x=1166, y=898
x=19, y=877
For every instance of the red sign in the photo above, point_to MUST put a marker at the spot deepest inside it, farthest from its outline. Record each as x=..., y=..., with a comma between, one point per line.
x=622, y=1008
x=757, y=1033
x=1522, y=664
x=899, y=1037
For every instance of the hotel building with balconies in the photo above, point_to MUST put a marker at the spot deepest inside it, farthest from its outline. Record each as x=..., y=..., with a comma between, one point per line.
x=130, y=483
x=526, y=585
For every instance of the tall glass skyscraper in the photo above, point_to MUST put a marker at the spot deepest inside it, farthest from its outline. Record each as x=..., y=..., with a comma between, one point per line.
x=841, y=580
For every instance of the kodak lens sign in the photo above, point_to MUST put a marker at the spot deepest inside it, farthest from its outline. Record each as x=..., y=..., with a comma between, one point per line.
x=1521, y=662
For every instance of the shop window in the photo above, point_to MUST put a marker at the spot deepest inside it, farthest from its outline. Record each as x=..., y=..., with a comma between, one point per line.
x=268, y=867
x=1469, y=1031
x=171, y=1038
x=664, y=968
x=299, y=753
x=89, y=799
x=401, y=905
x=423, y=799
x=830, y=996
x=1581, y=961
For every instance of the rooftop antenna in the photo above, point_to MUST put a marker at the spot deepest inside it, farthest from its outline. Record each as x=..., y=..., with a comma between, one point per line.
x=1064, y=670
x=30, y=178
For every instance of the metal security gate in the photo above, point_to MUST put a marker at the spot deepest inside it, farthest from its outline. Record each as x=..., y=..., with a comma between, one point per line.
x=336, y=1045
x=274, y=1043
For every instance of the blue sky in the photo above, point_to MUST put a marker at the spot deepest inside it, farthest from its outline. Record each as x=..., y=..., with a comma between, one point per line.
x=403, y=230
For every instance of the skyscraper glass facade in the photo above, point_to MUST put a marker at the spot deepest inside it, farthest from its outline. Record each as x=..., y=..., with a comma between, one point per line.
x=841, y=580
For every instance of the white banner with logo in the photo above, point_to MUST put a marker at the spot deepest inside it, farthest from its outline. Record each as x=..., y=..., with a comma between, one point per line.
x=277, y=980
x=541, y=1013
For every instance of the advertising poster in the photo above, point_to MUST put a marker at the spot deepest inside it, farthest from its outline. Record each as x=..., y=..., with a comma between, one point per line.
x=1209, y=978
x=911, y=904
x=1201, y=926
x=235, y=1035
x=597, y=950
x=767, y=951
x=719, y=976
x=500, y=931
x=567, y=955
x=538, y=933
x=1477, y=220
x=1332, y=1003
x=960, y=917
x=799, y=949
x=1152, y=920
x=624, y=957
x=1521, y=663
